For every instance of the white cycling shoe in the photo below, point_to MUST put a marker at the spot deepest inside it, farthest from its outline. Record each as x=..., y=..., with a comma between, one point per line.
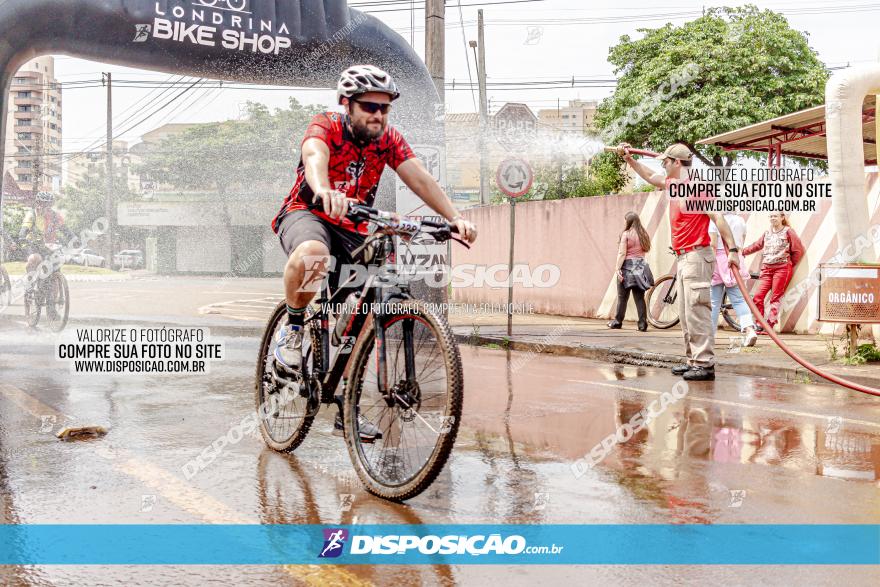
x=288, y=348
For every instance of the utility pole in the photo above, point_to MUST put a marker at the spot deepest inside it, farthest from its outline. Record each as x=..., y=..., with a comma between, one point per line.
x=435, y=41
x=38, y=160
x=484, y=118
x=108, y=198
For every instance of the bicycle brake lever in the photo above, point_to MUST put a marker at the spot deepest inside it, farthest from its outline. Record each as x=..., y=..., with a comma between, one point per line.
x=441, y=234
x=460, y=241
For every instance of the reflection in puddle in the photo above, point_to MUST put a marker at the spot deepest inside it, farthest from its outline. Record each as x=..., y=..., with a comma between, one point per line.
x=696, y=458
x=714, y=434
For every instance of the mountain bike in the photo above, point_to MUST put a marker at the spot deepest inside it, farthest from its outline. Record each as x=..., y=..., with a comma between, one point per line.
x=396, y=356
x=46, y=295
x=661, y=301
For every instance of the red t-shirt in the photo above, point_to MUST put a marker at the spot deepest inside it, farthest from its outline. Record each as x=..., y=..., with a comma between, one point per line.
x=688, y=230
x=352, y=169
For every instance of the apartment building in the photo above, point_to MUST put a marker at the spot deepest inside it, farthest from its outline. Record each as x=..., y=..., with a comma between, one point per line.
x=33, y=127
x=574, y=117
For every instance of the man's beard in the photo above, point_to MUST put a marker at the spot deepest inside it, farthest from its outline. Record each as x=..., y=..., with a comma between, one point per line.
x=363, y=134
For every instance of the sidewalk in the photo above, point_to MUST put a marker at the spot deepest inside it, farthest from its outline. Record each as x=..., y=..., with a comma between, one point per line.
x=240, y=307
x=592, y=339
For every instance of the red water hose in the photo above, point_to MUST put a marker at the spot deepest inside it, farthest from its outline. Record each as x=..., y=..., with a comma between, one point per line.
x=768, y=329
x=807, y=365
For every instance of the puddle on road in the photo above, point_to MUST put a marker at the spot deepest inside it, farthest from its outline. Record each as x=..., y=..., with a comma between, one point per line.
x=545, y=411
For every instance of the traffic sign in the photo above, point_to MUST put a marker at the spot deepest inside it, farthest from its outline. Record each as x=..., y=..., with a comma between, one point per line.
x=514, y=177
x=514, y=126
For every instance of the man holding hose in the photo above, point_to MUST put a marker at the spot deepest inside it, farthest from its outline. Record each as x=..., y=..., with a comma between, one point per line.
x=696, y=260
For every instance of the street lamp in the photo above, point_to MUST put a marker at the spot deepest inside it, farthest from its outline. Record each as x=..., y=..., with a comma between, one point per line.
x=484, y=120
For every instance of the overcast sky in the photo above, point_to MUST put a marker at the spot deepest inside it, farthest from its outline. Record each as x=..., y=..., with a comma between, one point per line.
x=549, y=40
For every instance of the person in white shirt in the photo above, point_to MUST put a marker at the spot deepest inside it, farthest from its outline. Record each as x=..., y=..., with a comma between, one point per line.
x=723, y=280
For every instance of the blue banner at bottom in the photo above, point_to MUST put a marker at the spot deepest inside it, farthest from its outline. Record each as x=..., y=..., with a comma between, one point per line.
x=439, y=544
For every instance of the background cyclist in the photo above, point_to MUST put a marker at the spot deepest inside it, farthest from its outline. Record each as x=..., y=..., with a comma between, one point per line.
x=41, y=226
x=342, y=159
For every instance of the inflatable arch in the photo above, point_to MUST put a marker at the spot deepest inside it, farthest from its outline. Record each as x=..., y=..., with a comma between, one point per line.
x=302, y=43
x=844, y=96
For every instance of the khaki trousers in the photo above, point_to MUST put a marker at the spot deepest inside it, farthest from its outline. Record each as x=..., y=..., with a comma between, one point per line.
x=694, y=278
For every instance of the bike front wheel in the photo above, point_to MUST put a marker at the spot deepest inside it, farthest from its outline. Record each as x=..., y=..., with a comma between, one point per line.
x=285, y=406
x=32, y=306
x=5, y=290
x=57, y=302
x=418, y=419
x=662, y=303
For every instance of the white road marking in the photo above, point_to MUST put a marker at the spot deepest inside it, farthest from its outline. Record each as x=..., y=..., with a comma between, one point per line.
x=185, y=496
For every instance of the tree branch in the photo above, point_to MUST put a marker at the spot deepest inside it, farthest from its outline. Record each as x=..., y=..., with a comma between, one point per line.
x=698, y=155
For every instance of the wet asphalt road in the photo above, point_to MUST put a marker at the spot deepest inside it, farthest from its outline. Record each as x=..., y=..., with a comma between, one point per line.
x=739, y=450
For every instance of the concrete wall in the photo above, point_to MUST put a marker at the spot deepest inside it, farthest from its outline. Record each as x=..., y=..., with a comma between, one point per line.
x=580, y=236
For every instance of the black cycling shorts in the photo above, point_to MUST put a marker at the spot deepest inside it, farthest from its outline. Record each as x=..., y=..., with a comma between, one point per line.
x=299, y=226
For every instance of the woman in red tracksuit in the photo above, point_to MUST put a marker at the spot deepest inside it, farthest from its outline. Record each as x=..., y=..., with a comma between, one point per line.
x=782, y=249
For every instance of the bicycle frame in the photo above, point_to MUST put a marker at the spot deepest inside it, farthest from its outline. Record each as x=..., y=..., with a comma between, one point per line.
x=375, y=288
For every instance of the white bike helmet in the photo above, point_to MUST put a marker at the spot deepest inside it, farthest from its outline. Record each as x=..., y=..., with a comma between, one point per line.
x=360, y=79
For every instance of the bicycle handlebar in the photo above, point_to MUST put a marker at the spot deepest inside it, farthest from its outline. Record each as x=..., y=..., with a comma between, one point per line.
x=361, y=212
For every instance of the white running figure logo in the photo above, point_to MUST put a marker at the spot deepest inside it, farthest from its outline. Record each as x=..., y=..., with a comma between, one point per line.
x=334, y=543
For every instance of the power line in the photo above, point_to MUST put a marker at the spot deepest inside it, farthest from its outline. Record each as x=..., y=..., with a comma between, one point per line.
x=650, y=17
x=453, y=86
x=465, y=5
x=146, y=117
x=467, y=59
x=161, y=108
x=170, y=86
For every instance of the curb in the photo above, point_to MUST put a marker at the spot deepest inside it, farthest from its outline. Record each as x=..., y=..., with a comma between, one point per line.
x=794, y=374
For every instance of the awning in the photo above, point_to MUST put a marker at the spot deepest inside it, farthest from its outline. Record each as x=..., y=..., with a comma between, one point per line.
x=11, y=192
x=800, y=134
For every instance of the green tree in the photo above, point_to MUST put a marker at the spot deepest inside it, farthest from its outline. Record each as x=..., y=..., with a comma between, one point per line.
x=84, y=202
x=561, y=180
x=259, y=151
x=13, y=216
x=744, y=65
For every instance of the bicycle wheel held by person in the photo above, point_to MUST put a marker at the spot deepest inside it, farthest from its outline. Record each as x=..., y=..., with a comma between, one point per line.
x=662, y=304
x=661, y=301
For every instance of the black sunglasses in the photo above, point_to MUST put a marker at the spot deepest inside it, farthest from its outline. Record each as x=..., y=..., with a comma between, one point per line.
x=373, y=107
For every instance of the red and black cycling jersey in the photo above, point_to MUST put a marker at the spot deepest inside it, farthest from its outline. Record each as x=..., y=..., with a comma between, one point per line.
x=352, y=168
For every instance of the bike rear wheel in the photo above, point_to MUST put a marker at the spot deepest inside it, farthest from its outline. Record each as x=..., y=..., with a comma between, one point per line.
x=420, y=423
x=662, y=304
x=285, y=408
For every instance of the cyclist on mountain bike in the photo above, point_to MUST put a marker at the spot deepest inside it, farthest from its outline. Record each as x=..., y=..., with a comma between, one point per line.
x=41, y=226
x=343, y=156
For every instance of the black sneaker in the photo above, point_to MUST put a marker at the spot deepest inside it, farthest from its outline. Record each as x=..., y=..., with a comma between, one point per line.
x=681, y=369
x=700, y=374
x=369, y=433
